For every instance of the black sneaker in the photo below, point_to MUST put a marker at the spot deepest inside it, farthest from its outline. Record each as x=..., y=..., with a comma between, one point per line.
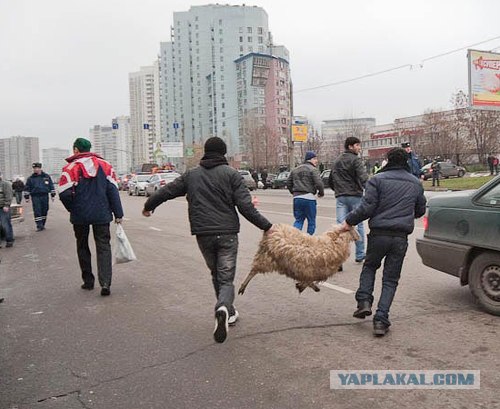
x=379, y=328
x=364, y=310
x=221, y=324
x=360, y=260
x=87, y=286
x=105, y=291
x=9, y=244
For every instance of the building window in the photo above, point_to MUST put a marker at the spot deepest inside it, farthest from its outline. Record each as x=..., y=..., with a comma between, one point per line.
x=220, y=31
x=221, y=49
x=250, y=49
x=241, y=39
x=260, y=30
x=261, y=40
x=249, y=30
x=249, y=39
x=220, y=22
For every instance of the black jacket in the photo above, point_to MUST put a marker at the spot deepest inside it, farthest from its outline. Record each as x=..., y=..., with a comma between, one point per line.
x=393, y=199
x=348, y=176
x=39, y=185
x=213, y=191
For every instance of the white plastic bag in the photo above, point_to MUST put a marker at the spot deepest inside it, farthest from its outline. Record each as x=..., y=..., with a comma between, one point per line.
x=123, y=250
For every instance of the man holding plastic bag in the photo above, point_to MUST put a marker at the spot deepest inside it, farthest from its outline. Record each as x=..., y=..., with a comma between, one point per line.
x=89, y=191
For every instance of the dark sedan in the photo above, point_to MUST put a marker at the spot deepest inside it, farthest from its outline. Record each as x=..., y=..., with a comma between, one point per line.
x=447, y=169
x=280, y=181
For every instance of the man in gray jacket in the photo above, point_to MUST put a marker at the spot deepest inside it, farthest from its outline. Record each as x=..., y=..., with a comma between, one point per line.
x=347, y=179
x=5, y=202
x=303, y=183
x=214, y=190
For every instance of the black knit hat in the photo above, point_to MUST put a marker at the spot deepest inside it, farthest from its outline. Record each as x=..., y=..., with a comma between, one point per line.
x=215, y=144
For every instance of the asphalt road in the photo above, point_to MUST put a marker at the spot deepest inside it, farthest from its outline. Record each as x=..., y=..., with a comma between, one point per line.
x=150, y=345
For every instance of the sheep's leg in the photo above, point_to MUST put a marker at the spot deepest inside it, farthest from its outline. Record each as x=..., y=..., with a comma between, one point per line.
x=301, y=286
x=250, y=275
x=314, y=287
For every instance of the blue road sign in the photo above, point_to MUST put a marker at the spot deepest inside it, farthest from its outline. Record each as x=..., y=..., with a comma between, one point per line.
x=146, y=126
x=115, y=126
x=176, y=125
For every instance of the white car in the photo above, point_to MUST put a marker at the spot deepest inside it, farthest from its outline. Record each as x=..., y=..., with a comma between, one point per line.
x=158, y=180
x=137, y=185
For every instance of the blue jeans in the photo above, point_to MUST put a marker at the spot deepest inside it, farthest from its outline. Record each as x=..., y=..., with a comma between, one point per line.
x=393, y=249
x=304, y=209
x=6, y=226
x=346, y=204
x=220, y=253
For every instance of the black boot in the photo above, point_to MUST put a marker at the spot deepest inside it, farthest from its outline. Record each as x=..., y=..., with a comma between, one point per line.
x=379, y=328
x=364, y=310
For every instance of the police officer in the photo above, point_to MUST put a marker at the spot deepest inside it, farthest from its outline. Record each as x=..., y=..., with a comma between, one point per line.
x=38, y=186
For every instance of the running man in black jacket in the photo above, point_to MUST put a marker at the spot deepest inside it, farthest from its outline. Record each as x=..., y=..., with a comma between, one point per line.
x=214, y=190
x=393, y=199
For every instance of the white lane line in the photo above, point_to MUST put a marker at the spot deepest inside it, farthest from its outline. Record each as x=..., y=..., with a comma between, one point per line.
x=155, y=228
x=337, y=288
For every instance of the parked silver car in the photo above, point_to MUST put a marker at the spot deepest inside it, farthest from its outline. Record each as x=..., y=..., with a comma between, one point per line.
x=137, y=185
x=247, y=177
x=447, y=169
x=158, y=180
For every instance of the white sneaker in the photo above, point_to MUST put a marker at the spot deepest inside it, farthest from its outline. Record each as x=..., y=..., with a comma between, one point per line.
x=221, y=324
x=233, y=318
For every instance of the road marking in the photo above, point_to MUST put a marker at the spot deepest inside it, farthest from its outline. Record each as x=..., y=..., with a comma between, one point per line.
x=337, y=288
x=154, y=228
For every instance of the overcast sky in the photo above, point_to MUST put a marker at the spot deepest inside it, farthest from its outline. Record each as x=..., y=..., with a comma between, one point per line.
x=64, y=64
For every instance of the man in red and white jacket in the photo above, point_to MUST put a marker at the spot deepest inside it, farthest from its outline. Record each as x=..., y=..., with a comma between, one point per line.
x=88, y=190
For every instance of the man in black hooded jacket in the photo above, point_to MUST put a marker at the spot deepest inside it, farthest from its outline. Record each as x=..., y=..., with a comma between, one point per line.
x=214, y=190
x=393, y=199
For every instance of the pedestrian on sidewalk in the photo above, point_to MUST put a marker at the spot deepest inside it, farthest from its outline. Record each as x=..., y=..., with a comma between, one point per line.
x=495, y=165
x=39, y=185
x=393, y=199
x=5, y=202
x=347, y=179
x=18, y=188
x=89, y=191
x=303, y=183
x=214, y=190
x=490, y=161
x=436, y=171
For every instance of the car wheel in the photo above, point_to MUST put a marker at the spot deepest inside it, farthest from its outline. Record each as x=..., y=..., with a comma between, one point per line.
x=461, y=174
x=484, y=281
x=130, y=193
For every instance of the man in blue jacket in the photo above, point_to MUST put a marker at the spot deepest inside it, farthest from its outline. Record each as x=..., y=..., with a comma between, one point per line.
x=413, y=160
x=89, y=191
x=38, y=186
x=393, y=199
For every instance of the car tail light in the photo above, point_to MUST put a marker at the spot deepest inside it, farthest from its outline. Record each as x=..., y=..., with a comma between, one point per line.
x=163, y=182
x=426, y=222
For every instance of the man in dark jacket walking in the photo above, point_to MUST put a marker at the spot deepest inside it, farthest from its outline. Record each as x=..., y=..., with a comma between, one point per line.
x=347, y=179
x=303, y=183
x=18, y=188
x=393, y=199
x=38, y=186
x=213, y=191
x=413, y=161
x=89, y=191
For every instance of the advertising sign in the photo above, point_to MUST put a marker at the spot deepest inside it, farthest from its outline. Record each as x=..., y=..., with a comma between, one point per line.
x=173, y=149
x=484, y=79
x=299, y=133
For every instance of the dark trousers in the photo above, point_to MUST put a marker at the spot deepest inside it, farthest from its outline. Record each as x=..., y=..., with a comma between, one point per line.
x=19, y=197
x=220, y=253
x=40, y=209
x=6, y=226
x=393, y=249
x=435, y=177
x=102, y=239
x=304, y=209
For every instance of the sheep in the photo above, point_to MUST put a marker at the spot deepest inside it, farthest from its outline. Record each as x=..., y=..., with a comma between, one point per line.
x=304, y=258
